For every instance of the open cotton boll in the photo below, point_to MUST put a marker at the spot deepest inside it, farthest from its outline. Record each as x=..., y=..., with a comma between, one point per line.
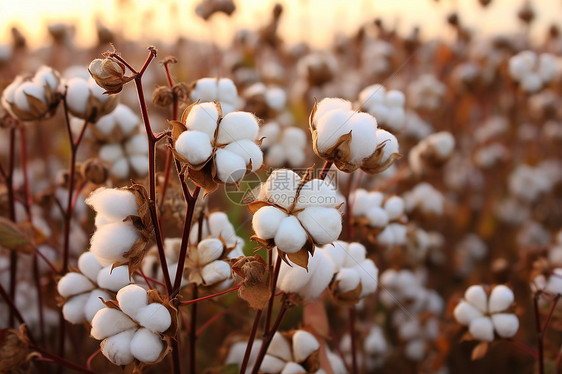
x=137, y=145
x=139, y=164
x=363, y=128
x=368, y=273
x=108, y=322
x=230, y=167
x=295, y=137
x=111, y=152
x=355, y=254
x=205, y=89
x=120, y=169
x=276, y=98
x=113, y=280
x=501, y=298
x=443, y=142
x=290, y=236
x=276, y=156
x=131, y=298
x=249, y=151
x=28, y=89
x=323, y=224
x=271, y=364
x=154, y=317
x=73, y=284
x=482, y=329
x=394, y=206
x=547, y=67
x=476, y=296
x=77, y=95
x=219, y=225
x=316, y=192
x=203, y=117
x=125, y=118
x=378, y=217
x=94, y=304
x=304, y=344
x=280, y=347
x=146, y=346
x=113, y=241
x=360, y=198
x=195, y=146
x=372, y=95
x=293, y=368
x=348, y=279
x=266, y=221
x=45, y=75
x=89, y=265
x=73, y=309
x=281, y=187
x=322, y=270
x=237, y=126
x=531, y=82
x=270, y=132
x=395, y=98
x=464, y=313
x=226, y=91
x=294, y=278
x=505, y=324
x=331, y=127
x=337, y=253
x=215, y=272
x=209, y=250
x=415, y=350
x=329, y=104
x=117, y=348
x=389, y=141
x=113, y=203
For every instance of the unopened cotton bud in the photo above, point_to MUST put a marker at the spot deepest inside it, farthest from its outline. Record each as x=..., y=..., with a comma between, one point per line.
x=131, y=298
x=279, y=347
x=89, y=265
x=290, y=236
x=237, y=126
x=117, y=348
x=73, y=309
x=215, y=272
x=108, y=322
x=304, y=344
x=203, y=117
x=230, y=167
x=323, y=224
x=209, y=250
x=482, y=329
x=115, y=204
x=73, y=284
x=108, y=74
x=195, y=146
x=113, y=279
x=146, y=346
x=501, y=298
x=266, y=221
x=249, y=151
x=476, y=296
x=154, y=317
x=505, y=324
x=162, y=96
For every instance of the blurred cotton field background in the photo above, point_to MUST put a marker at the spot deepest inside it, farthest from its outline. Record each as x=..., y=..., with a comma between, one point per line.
x=281, y=187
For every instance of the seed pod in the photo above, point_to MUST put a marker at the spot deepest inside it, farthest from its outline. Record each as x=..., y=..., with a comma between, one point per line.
x=162, y=96
x=109, y=74
x=94, y=171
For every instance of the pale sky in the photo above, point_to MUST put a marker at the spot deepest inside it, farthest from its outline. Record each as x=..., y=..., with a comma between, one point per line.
x=312, y=20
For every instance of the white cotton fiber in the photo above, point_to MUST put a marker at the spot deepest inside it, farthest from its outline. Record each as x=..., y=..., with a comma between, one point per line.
x=482, y=329
x=476, y=296
x=77, y=95
x=154, y=317
x=331, y=103
x=293, y=368
x=131, y=298
x=203, y=117
x=237, y=126
x=276, y=156
x=205, y=89
x=355, y=254
x=395, y=98
x=531, y=82
x=415, y=349
x=279, y=347
x=359, y=199
x=304, y=344
x=331, y=127
x=120, y=169
x=372, y=95
x=337, y=253
x=271, y=364
x=73, y=309
x=226, y=91
x=89, y=265
x=316, y=192
x=230, y=167
x=293, y=278
x=465, y=312
x=112, y=241
x=394, y=206
x=505, y=324
x=146, y=346
x=216, y=271
x=73, y=284
x=111, y=152
x=248, y=150
x=45, y=75
x=294, y=136
x=501, y=298
x=276, y=98
x=97, y=91
x=378, y=217
x=322, y=270
x=137, y=145
x=295, y=156
x=195, y=146
x=266, y=221
x=290, y=236
x=323, y=224
x=126, y=118
x=281, y=187
x=94, y=303
x=270, y=132
x=363, y=128
x=219, y=225
x=108, y=322
x=113, y=203
x=209, y=250
x=117, y=348
x=443, y=142
x=348, y=279
x=390, y=143
x=113, y=280
x=368, y=272
x=139, y=164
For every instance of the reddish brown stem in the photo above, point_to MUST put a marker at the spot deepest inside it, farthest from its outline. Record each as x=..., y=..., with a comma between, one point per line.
x=325, y=170
x=540, y=335
x=272, y=284
x=91, y=358
x=193, y=334
x=61, y=361
x=196, y=300
x=213, y=319
x=251, y=341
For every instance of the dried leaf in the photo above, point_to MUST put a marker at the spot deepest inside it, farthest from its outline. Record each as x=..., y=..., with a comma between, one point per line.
x=14, y=350
x=299, y=258
x=253, y=207
x=479, y=351
x=14, y=238
x=256, y=294
x=177, y=129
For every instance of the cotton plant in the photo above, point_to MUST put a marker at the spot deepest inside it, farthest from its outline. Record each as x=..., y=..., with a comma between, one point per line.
x=486, y=312
x=317, y=69
x=33, y=98
x=533, y=72
x=376, y=348
x=217, y=148
x=489, y=156
x=350, y=139
x=431, y=152
x=86, y=99
x=83, y=290
x=295, y=214
x=415, y=127
x=127, y=158
x=528, y=183
x=386, y=106
x=217, y=225
x=206, y=264
x=376, y=57
x=425, y=199
x=220, y=90
x=470, y=250
x=265, y=101
x=283, y=145
x=151, y=261
x=426, y=93
x=135, y=328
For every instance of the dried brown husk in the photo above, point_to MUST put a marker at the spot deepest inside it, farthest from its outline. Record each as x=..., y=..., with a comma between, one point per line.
x=15, y=351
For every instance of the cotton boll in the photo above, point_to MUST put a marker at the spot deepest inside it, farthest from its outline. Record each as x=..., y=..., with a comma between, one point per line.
x=518, y=67
x=77, y=95
x=108, y=322
x=203, y=117
x=368, y=273
x=322, y=270
x=73, y=309
x=363, y=128
x=281, y=187
x=372, y=95
x=464, y=313
x=394, y=206
x=547, y=67
x=276, y=156
x=378, y=217
x=195, y=146
x=113, y=280
x=131, y=299
x=348, y=279
x=531, y=82
x=276, y=98
x=113, y=241
x=125, y=118
x=279, y=347
x=146, y=346
x=270, y=132
x=482, y=329
x=139, y=164
x=293, y=368
x=237, y=126
x=316, y=192
x=266, y=221
x=120, y=169
x=97, y=91
x=415, y=350
x=328, y=104
x=360, y=200
x=290, y=236
x=295, y=137
x=94, y=304
x=506, y=324
x=89, y=265
x=249, y=151
x=114, y=204
x=209, y=250
x=396, y=118
x=331, y=127
x=154, y=317
x=205, y=89
x=111, y=152
x=337, y=253
x=390, y=144
x=292, y=278
x=137, y=145
x=117, y=348
x=219, y=225
x=476, y=296
x=395, y=98
x=323, y=224
x=230, y=167
x=215, y=272
x=501, y=298
x=304, y=344
x=271, y=364
x=45, y=75
x=73, y=284
x=356, y=253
